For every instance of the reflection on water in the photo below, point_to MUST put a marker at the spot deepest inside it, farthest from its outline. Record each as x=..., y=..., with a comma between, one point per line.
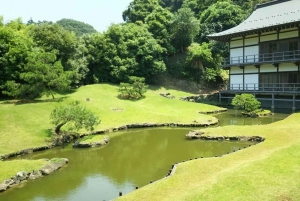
x=234, y=117
x=130, y=160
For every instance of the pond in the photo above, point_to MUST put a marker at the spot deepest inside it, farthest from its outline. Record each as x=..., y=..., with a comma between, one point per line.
x=132, y=159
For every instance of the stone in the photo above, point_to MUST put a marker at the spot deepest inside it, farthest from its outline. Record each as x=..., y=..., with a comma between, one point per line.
x=3, y=187
x=35, y=175
x=194, y=134
x=53, y=166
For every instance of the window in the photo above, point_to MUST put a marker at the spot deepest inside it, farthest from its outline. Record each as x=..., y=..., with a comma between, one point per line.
x=278, y=50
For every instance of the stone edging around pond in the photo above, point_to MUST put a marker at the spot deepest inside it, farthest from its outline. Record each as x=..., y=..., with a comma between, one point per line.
x=198, y=134
x=115, y=129
x=22, y=177
x=257, y=139
x=214, y=111
x=91, y=144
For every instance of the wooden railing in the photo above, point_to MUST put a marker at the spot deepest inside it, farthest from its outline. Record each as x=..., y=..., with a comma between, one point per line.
x=262, y=87
x=264, y=58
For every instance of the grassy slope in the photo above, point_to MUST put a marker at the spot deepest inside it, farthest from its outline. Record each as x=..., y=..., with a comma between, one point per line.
x=26, y=125
x=267, y=171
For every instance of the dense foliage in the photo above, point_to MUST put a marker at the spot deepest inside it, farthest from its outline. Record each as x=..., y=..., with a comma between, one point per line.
x=246, y=102
x=157, y=36
x=74, y=116
x=79, y=28
x=134, y=89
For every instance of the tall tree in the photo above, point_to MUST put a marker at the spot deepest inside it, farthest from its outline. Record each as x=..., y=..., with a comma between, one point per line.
x=15, y=45
x=79, y=28
x=171, y=5
x=64, y=44
x=159, y=25
x=42, y=74
x=225, y=13
x=133, y=52
x=200, y=56
x=184, y=28
x=139, y=9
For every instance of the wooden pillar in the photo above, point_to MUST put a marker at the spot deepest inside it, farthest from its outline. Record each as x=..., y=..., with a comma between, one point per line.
x=294, y=103
x=273, y=101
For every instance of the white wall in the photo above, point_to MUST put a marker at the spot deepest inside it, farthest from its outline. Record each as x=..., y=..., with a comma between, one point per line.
x=288, y=34
x=267, y=68
x=287, y=67
x=236, y=43
x=268, y=38
x=251, y=69
x=251, y=82
x=234, y=54
x=236, y=82
x=251, y=41
x=236, y=70
x=251, y=54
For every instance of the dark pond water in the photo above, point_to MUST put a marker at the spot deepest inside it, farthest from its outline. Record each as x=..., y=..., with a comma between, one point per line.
x=132, y=159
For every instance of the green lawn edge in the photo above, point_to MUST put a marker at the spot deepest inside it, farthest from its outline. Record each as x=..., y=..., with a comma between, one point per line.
x=267, y=171
x=26, y=125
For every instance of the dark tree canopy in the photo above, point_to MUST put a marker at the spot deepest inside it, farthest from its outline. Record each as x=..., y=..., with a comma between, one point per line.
x=79, y=28
x=184, y=28
x=139, y=9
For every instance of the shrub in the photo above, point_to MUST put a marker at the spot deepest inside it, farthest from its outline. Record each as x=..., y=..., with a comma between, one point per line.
x=246, y=102
x=134, y=89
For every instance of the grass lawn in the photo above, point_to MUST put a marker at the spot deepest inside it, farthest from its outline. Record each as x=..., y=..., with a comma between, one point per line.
x=26, y=125
x=267, y=171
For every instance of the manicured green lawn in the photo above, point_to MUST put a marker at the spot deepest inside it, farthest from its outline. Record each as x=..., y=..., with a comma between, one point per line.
x=267, y=171
x=26, y=125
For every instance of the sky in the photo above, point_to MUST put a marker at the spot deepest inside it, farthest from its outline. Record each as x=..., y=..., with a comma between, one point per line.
x=98, y=13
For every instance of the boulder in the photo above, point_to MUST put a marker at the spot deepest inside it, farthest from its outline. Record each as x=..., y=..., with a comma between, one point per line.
x=194, y=134
x=3, y=187
x=35, y=175
x=53, y=166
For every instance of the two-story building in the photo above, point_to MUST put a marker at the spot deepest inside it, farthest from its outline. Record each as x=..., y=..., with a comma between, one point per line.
x=265, y=55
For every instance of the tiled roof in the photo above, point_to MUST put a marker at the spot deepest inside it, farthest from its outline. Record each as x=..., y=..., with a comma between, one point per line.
x=267, y=16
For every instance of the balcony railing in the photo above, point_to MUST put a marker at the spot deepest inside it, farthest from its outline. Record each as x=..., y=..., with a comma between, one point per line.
x=264, y=58
x=263, y=87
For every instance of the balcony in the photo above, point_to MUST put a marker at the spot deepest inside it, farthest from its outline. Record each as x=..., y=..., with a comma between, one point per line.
x=280, y=88
x=257, y=59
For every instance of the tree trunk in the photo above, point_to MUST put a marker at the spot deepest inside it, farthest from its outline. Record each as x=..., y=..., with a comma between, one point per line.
x=57, y=128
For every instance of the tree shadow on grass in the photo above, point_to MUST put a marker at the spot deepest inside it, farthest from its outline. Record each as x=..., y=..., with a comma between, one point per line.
x=22, y=102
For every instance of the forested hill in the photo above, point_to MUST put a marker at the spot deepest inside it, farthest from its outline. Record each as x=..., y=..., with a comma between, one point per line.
x=157, y=36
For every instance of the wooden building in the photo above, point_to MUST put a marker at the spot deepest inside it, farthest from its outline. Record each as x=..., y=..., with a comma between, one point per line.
x=265, y=55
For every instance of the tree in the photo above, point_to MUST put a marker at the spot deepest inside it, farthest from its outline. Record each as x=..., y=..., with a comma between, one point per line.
x=42, y=74
x=138, y=10
x=222, y=13
x=159, y=25
x=184, y=27
x=171, y=5
x=64, y=44
x=246, y=102
x=200, y=56
x=132, y=52
x=15, y=45
x=75, y=116
x=134, y=89
x=79, y=28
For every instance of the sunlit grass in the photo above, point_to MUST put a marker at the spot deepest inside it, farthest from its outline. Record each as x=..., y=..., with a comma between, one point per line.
x=26, y=124
x=267, y=171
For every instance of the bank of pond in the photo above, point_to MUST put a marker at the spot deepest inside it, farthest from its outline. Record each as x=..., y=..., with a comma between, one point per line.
x=132, y=159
